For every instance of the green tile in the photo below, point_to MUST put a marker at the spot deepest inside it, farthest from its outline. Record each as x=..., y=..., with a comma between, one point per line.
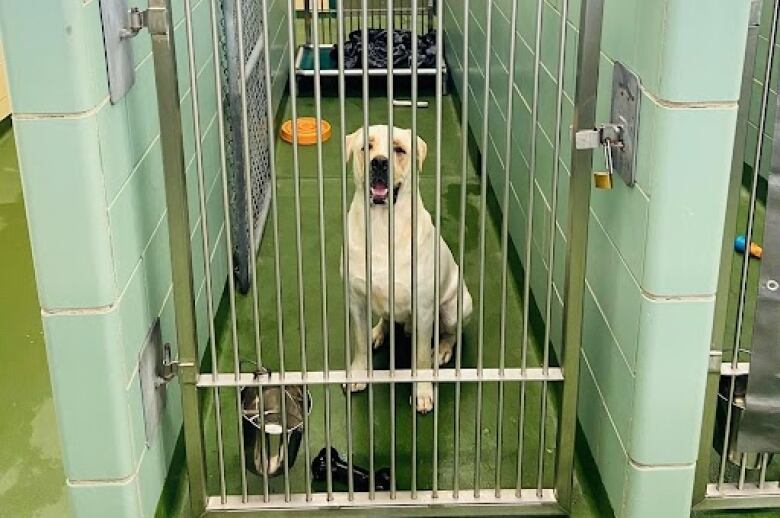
x=156, y=463
x=692, y=30
x=615, y=290
x=603, y=441
x=157, y=267
x=207, y=97
x=613, y=375
x=56, y=62
x=551, y=38
x=653, y=492
x=201, y=29
x=136, y=212
x=665, y=427
x=119, y=500
x=66, y=207
x=116, y=153
x=690, y=173
x=135, y=409
x=664, y=43
x=88, y=375
x=135, y=316
x=142, y=114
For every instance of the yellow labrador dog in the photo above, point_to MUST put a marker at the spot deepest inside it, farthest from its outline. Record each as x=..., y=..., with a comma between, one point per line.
x=378, y=150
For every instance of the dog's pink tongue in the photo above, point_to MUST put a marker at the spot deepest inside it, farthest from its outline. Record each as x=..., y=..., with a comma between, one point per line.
x=379, y=190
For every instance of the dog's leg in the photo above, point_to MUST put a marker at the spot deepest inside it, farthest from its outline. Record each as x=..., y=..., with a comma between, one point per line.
x=443, y=353
x=379, y=333
x=424, y=400
x=360, y=359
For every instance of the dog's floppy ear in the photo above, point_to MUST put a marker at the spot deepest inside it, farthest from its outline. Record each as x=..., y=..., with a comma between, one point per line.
x=350, y=142
x=422, y=152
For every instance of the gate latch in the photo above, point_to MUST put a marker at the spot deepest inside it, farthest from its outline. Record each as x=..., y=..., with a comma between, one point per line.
x=606, y=136
x=618, y=138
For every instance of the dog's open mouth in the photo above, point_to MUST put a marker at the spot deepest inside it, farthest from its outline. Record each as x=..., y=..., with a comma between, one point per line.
x=379, y=193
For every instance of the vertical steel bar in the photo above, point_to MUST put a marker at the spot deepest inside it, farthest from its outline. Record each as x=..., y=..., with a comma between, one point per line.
x=505, y=244
x=584, y=117
x=742, y=471
x=763, y=115
x=368, y=243
x=762, y=472
x=345, y=238
x=202, y=193
x=228, y=224
x=437, y=248
x=529, y=241
x=724, y=277
x=323, y=267
x=552, y=233
x=415, y=252
x=298, y=239
x=169, y=108
x=482, y=228
x=250, y=219
x=275, y=227
x=464, y=160
x=391, y=243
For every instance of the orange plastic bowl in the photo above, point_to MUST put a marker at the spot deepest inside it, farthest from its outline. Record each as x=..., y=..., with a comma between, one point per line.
x=307, y=131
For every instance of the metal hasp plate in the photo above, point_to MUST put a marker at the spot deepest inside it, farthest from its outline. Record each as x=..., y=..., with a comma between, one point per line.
x=625, y=113
x=115, y=15
x=150, y=371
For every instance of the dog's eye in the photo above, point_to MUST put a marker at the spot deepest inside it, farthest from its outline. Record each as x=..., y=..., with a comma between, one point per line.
x=370, y=147
x=400, y=150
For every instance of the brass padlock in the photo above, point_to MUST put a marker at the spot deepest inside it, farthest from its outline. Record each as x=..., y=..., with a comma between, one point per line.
x=602, y=180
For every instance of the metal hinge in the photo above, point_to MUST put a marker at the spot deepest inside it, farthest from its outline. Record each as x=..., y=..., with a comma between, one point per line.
x=136, y=22
x=121, y=24
x=169, y=367
x=153, y=18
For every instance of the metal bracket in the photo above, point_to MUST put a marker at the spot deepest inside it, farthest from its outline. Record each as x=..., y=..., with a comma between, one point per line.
x=120, y=25
x=155, y=370
x=618, y=138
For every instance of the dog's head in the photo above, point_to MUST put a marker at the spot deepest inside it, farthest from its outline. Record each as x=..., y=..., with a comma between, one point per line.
x=378, y=149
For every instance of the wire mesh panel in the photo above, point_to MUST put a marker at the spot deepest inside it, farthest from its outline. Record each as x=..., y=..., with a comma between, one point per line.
x=735, y=469
x=256, y=124
x=383, y=355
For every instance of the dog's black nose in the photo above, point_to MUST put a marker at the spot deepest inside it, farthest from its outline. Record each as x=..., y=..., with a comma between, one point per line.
x=379, y=163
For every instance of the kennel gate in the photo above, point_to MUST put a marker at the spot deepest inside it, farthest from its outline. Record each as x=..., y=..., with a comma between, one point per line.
x=217, y=388
x=737, y=466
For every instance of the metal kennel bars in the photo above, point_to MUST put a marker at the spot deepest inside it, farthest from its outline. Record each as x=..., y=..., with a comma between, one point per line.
x=380, y=14
x=220, y=484
x=734, y=471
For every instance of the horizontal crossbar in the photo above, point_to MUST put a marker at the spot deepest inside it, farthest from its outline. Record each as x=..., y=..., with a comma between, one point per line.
x=536, y=374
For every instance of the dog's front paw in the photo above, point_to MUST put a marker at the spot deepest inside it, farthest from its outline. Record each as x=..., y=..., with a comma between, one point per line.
x=443, y=353
x=424, y=400
x=354, y=387
x=378, y=334
x=358, y=369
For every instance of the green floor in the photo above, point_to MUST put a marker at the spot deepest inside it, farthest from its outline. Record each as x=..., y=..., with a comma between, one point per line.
x=32, y=482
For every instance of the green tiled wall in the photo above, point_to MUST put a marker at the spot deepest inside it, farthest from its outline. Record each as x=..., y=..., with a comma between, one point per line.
x=654, y=249
x=93, y=187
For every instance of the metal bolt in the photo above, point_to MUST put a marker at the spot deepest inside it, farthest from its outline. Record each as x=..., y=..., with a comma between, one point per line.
x=772, y=285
